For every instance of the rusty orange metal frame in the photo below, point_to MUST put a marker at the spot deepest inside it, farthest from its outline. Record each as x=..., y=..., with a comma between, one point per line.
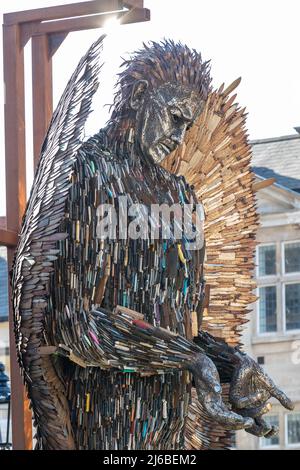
x=47, y=28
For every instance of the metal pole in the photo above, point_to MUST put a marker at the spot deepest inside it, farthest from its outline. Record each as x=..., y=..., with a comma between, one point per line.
x=15, y=162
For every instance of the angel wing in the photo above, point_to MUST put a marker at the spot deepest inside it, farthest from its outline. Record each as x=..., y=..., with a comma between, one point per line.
x=215, y=158
x=36, y=251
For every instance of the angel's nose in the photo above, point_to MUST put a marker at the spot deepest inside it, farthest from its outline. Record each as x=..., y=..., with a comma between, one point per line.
x=178, y=135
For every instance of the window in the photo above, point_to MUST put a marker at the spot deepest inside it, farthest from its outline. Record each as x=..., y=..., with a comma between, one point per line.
x=292, y=257
x=273, y=420
x=293, y=428
x=292, y=306
x=267, y=260
x=3, y=284
x=278, y=307
x=267, y=309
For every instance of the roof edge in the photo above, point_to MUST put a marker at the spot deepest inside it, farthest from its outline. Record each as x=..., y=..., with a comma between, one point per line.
x=274, y=139
x=278, y=185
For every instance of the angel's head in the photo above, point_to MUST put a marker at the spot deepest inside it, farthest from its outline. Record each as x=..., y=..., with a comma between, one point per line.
x=161, y=91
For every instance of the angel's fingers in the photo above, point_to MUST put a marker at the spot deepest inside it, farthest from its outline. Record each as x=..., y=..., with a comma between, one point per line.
x=260, y=428
x=209, y=394
x=228, y=419
x=251, y=401
x=255, y=411
x=274, y=431
x=283, y=399
x=275, y=392
x=241, y=376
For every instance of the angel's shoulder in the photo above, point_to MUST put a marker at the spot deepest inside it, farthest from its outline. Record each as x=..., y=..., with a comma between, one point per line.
x=94, y=157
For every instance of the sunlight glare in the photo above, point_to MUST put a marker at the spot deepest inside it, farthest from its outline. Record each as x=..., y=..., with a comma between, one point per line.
x=111, y=25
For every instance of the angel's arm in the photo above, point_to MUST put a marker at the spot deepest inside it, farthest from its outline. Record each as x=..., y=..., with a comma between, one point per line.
x=226, y=358
x=250, y=386
x=123, y=340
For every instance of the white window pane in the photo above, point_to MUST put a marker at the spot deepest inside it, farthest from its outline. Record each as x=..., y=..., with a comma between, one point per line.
x=292, y=306
x=267, y=260
x=267, y=309
x=293, y=428
x=273, y=420
x=292, y=257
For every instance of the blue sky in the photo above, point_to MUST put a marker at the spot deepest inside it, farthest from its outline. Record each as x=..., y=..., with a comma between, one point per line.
x=256, y=39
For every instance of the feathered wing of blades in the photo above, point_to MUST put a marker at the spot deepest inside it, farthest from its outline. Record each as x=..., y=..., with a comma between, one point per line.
x=45, y=209
x=215, y=158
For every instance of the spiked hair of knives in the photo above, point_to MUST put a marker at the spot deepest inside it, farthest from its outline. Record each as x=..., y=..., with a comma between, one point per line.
x=159, y=63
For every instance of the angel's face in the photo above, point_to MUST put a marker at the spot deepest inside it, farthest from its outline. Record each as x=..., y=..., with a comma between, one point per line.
x=162, y=118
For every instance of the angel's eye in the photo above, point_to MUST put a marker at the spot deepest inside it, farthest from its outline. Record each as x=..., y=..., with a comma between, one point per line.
x=175, y=118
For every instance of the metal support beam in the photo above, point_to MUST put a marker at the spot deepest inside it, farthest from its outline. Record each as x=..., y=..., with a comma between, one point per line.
x=133, y=3
x=63, y=11
x=14, y=112
x=83, y=23
x=55, y=41
x=8, y=238
x=42, y=96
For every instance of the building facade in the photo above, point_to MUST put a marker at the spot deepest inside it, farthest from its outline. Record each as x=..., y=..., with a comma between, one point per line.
x=273, y=333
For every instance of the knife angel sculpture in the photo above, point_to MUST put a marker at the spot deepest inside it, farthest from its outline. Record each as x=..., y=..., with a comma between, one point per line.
x=119, y=342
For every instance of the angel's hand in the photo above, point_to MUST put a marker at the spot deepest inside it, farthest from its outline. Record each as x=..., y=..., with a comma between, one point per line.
x=209, y=390
x=250, y=390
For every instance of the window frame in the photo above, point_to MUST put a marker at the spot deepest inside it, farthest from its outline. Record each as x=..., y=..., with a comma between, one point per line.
x=285, y=330
x=266, y=333
x=286, y=435
x=283, y=243
x=266, y=276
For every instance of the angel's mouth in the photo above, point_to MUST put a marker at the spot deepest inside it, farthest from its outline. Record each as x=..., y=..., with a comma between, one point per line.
x=167, y=148
x=161, y=150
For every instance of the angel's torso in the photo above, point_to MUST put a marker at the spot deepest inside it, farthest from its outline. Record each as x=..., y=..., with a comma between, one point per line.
x=161, y=279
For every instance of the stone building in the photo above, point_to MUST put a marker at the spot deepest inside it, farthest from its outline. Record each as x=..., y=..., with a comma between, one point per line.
x=273, y=333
